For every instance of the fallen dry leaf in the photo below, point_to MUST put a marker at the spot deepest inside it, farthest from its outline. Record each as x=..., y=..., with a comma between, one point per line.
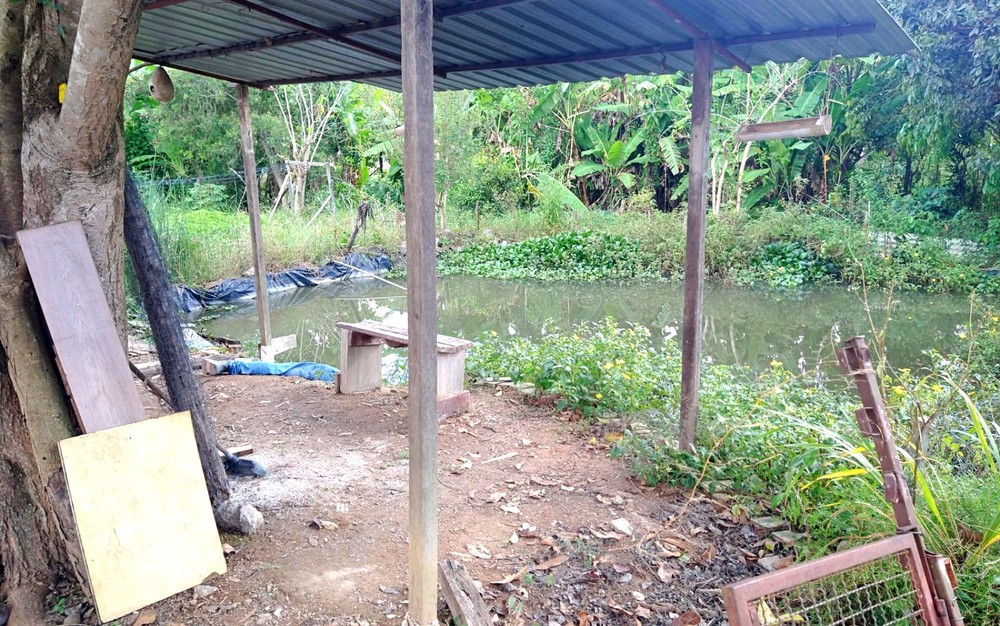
x=622, y=525
x=541, y=482
x=691, y=618
x=144, y=618
x=664, y=574
x=479, y=551
x=510, y=508
x=547, y=565
x=515, y=576
x=496, y=496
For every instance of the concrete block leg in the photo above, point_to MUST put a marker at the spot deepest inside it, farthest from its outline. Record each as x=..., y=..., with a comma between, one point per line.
x=450, y=373
x=360, y=366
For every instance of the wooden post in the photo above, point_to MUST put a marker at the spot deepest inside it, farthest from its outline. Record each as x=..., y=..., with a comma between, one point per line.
x=694, y=261
x=161, y=307
x=253, y=206
x=421, y=279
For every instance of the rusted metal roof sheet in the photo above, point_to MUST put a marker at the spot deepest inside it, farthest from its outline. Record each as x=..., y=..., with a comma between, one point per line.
x=495, y=43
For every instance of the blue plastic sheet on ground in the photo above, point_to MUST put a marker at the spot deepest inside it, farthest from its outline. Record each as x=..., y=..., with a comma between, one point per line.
x=235, y=289
x=309, y=371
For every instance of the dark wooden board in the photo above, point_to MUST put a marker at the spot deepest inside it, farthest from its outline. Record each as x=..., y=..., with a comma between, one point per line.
x=91, y=358
x=464, y=600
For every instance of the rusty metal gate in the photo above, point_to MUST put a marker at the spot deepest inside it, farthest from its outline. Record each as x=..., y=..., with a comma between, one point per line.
x=891, y=582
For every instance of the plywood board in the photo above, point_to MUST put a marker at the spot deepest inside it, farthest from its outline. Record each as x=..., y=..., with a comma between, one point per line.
x=142, y=512
x=93, y=363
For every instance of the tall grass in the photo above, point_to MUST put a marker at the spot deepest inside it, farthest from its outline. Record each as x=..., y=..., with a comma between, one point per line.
x=202, y=244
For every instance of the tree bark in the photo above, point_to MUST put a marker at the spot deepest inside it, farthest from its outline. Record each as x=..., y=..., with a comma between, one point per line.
x=161, y=307
x=58, y=161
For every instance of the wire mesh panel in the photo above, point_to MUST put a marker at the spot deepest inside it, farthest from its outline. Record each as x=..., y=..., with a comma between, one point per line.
x=881, y=584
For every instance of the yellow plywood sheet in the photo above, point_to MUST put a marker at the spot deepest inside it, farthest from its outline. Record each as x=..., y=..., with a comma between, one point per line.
x=142, y=512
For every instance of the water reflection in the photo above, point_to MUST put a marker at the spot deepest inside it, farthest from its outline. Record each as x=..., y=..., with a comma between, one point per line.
x=741, y=326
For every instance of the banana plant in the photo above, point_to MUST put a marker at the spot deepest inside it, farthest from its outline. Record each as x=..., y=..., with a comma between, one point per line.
x=612, y=160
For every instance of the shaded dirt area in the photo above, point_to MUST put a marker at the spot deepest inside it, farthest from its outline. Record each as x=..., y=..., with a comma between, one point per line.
x=556, y=532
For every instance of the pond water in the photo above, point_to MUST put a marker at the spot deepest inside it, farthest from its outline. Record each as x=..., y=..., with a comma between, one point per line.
x=750, y=327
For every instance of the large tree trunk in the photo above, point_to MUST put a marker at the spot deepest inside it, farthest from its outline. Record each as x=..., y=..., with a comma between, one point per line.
x=57, y=162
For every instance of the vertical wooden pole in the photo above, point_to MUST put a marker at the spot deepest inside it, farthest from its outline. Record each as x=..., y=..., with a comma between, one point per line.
x=694, y=261
x=421, y=280
x=253, y=206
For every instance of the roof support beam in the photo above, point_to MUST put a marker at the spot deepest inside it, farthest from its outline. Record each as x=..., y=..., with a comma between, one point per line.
x=444, y=70
x=698, y=33
x=421, y=289
x=311, y=34
x=316, y=30
x=694, y=256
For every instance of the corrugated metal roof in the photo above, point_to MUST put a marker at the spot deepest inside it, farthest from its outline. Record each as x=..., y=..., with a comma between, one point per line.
x=496, y=43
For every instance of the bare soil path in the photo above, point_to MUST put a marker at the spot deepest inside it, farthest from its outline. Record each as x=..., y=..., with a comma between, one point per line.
x=520, y=489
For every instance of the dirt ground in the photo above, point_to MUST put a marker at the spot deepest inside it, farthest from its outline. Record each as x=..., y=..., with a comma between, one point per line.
x=554, y=530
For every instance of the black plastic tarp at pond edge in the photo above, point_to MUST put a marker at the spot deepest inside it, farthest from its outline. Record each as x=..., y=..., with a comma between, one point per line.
x=234, y=289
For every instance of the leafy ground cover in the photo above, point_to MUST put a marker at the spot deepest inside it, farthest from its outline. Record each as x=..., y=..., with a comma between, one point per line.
x=786, y=444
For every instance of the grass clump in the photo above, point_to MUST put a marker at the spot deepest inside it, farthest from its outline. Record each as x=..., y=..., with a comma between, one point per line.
x=583, y=255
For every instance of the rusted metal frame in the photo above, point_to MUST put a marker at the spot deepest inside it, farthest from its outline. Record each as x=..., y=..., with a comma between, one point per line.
x=739, y=596
x=321, y=32
x=873, y=421
x=855, y=360
x=289, y=39
x=699, y=33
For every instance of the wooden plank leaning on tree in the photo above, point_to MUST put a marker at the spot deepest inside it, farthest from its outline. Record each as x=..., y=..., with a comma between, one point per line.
x=91, y=360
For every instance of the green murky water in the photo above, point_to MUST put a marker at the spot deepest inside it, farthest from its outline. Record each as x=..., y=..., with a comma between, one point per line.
x=742, y=326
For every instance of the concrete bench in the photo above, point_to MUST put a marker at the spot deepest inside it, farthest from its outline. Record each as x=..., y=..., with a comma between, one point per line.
x=361, y=362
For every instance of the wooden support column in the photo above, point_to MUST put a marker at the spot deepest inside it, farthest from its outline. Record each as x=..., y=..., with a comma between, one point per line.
x=694, y=260
x=253, y=207
x=421, y=281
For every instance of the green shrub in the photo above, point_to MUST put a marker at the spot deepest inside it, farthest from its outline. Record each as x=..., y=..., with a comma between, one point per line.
x=497, y=186
x=594, y=370
x=785, y=265
x=566, y=256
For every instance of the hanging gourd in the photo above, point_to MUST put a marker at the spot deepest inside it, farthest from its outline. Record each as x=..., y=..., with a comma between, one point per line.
x=160, y=86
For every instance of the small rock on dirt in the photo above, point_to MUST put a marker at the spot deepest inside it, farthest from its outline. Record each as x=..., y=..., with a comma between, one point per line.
x=236, y=516
x=264, y=618
x=200, y=591
x=73, y=616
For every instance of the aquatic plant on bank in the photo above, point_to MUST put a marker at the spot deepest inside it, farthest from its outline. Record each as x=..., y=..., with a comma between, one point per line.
x=583, y=255
x=781, y=443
